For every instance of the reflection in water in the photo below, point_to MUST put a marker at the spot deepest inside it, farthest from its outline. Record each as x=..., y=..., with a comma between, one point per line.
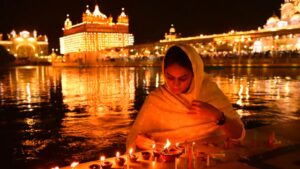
x=53, y=116
x=262, y=96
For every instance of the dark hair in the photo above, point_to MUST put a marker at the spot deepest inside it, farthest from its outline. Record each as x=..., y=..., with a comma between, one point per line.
x=175, y=55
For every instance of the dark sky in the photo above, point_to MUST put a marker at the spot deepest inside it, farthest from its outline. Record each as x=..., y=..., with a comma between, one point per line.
x=149, y=19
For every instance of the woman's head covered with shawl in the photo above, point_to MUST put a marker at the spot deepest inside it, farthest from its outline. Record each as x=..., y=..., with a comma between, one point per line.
x=187, y=57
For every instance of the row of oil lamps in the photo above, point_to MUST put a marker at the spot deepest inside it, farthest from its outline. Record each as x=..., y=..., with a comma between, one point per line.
x=167, y=154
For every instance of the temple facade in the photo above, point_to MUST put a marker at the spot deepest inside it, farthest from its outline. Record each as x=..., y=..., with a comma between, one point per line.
x=25, y=44
x=81, y=42
x=290, y=16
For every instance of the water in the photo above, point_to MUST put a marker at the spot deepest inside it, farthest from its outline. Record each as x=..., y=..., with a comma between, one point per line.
x=53, y=116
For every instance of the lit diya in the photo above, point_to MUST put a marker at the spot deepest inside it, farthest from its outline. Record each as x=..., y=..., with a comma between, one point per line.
x=105, y=164
x=156, y=152
x=94, y=166
x=120, y=161
x=168, y=154
x=146, y=155
x=132, y=157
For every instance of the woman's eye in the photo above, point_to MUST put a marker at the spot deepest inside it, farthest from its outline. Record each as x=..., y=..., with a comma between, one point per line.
x=183, y=79
x=170, y=77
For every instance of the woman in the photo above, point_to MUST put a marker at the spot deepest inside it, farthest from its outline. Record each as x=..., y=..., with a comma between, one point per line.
x=189, y=106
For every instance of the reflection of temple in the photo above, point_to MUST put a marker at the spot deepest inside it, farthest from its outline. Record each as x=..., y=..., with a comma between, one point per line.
x=82, y=41
x=25, y=44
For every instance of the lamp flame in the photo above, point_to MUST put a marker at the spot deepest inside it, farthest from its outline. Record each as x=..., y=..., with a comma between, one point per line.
x=130, y=151
x=74, y=164
x=167, y=145
x=118, y=154
x=102, y=159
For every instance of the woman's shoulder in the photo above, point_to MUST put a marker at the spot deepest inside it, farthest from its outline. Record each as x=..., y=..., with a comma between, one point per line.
x=157, y=91
x=208, y=80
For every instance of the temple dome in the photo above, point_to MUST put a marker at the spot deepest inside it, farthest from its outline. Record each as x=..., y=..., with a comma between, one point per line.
x=88, y=12
x=273, y=20
x=68, y=23
x=295, y=19
x=123, y=18
x=97, y=12
x=172, y=29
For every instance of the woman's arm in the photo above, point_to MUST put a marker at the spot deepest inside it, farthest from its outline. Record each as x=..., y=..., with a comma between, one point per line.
x=232, y=127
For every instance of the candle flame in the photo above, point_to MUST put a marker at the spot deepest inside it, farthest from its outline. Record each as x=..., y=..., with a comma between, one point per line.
x=102, y=158
x=118, y=154
x=55, y=167
x=153, y=146
x=130, y=151
x=168, y=143
x=177, y=144
x=74, y=164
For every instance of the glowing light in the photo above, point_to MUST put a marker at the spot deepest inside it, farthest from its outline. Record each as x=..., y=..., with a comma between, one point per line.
x=130, y=151
x=74, y=164
x=118, y=154
x=168, y=144
x=102, y=159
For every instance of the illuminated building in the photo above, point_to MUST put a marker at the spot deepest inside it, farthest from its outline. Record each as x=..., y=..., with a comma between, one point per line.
x=26, y=45
x=172, y=34
x=278, y=34
x=82, y=41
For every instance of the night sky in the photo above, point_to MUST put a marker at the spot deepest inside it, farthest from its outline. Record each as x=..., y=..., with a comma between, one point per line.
x=149, y=19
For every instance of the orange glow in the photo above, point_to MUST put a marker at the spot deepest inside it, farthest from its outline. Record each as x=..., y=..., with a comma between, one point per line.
x=118, y=154
x=102, y=159
x=74, y=164
x=130, y=151
x=168, y=144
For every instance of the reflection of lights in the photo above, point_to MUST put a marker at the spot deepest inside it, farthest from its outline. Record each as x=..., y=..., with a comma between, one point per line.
x=287, y=88
x=30, y=121
x=28, y=92
x=247, y=93
x=156, y=80
x=240, y=101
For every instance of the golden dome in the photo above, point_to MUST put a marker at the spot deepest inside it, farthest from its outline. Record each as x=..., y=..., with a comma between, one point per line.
x=123, y=17
x=88, y=12
x=295, y=18
x=172, y=29
x=68, y=22
x=97, y=12
x=273, y=20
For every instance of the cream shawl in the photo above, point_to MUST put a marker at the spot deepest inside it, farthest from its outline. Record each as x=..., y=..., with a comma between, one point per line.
x=164, y=114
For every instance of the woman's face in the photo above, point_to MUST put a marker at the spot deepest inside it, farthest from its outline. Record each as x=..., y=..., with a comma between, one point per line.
x=178, y=78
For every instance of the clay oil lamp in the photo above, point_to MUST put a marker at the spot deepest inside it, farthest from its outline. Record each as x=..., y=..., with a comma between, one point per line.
x=120, y=161
x=94, y=166
x=180, y=147
x=156, y=152
x=133, y=158
x=169, y=153
x=146, y=155
x=105, y=164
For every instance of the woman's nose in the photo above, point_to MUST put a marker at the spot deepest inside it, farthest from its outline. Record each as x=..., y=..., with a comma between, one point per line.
x=176, y=83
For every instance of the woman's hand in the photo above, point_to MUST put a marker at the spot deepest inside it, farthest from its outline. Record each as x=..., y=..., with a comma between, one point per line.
x=232, y=127
x=205, y=110
x=144, y=142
